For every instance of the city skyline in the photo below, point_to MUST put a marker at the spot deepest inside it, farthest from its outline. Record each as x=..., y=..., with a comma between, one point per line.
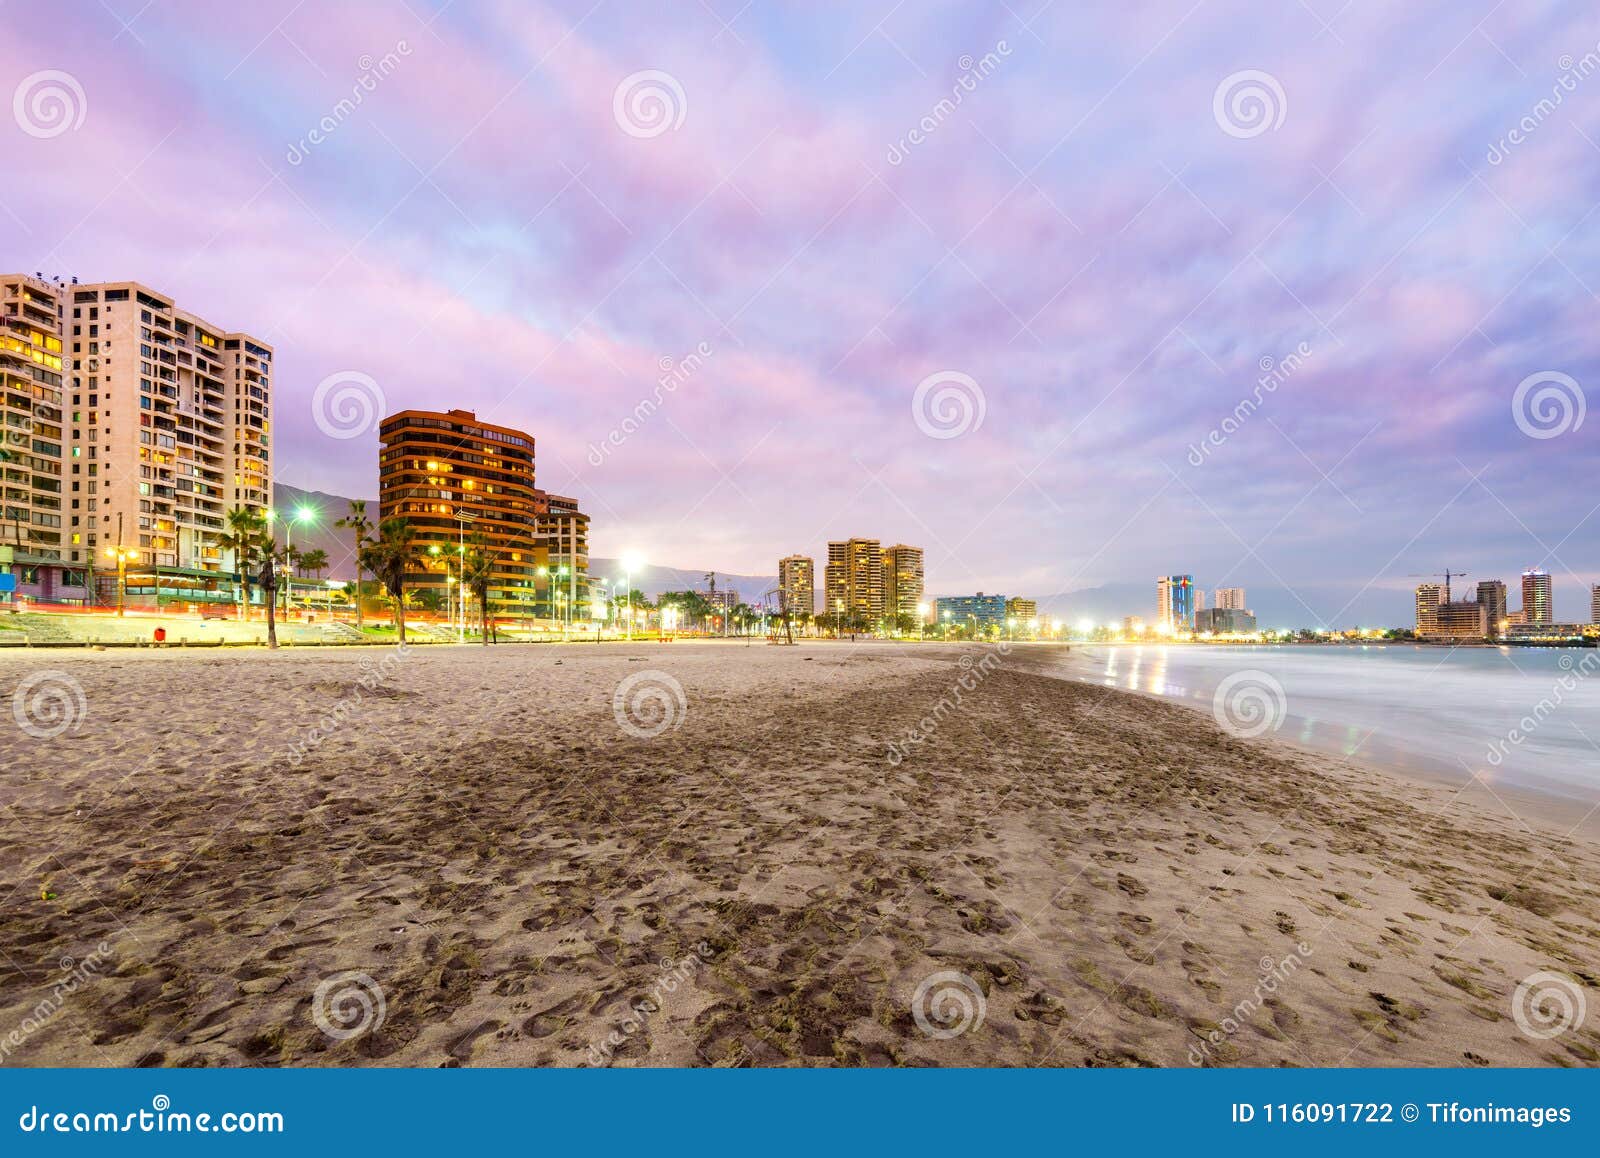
x=1353, y=420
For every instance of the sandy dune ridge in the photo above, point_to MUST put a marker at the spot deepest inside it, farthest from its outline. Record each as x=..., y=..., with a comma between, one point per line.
x=486, y=857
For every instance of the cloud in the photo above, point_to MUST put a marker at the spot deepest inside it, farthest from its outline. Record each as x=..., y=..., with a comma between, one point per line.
x=1078, y=235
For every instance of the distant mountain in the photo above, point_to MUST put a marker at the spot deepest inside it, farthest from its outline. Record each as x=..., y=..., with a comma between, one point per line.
x=656, y=579
x=321, y=534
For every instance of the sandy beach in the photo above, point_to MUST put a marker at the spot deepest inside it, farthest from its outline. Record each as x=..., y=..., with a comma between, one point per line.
x=718, y=854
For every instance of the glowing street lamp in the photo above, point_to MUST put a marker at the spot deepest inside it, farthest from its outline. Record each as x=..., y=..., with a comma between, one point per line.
x=121, y=555
x=305, y=515
x=449, y=588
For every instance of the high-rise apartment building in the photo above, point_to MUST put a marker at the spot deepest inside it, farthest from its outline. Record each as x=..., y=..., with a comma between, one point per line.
x=1175, y=602
x=451, y=476
x=33, y=444
x=563, y=553
x=853, y=579
x=1492, y=597
x=170, y=429
x=1230, y=599
x=1427, y=608
x=1594, y=603
x=1537, y=603
x=902, y=580
x=797, y=585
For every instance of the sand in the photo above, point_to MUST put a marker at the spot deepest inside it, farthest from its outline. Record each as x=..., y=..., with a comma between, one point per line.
x=472, y=861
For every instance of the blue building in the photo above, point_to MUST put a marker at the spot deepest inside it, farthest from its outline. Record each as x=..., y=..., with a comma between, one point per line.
x=986, y=610
x=1175, y=602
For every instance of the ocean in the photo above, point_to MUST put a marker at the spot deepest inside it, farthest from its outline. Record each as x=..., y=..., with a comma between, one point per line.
x=1521, y=716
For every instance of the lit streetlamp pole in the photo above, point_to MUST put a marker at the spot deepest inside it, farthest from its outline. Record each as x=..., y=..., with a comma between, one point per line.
x=121, y=555
x=462, y=519
x=631, y=561
x=449, y=605
x=305, y=515
x=566, y=602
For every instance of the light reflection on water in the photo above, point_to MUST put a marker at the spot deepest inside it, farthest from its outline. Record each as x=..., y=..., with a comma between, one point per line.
x=1432, y=708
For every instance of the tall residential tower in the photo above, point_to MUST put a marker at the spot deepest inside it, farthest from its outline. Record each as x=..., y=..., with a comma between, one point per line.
x=171, y=429
x=853, y=580
x=797, y=585
x=1537, y=605
x=33, y=442
x=902, y=581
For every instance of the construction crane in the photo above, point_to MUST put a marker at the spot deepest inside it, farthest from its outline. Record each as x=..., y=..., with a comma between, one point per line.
x=1446, y=574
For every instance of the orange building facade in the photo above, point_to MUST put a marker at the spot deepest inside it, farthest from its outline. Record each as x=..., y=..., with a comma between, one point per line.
x=452, y=476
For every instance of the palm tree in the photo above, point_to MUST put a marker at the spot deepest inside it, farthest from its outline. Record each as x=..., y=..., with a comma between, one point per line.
x=358, y=522
x=270, y=556
x=391, y=557
x=246, y=530
x=312, y=563
x=477, y=567
x=698, y=607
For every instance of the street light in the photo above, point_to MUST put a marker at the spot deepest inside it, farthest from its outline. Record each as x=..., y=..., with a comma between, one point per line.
x=302, y=514
x=632, y=561
x=922, y=621
x=121, y=555
x=449, y=605
x=462, y=519
x=566, y=603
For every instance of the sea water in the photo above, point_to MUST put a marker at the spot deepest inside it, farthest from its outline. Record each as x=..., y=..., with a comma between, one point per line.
x=1528, y=716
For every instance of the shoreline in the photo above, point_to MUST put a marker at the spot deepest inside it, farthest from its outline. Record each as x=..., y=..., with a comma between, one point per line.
x=1573, y=815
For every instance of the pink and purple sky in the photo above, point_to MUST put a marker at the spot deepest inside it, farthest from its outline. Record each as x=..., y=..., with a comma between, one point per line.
x=1098, y=222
